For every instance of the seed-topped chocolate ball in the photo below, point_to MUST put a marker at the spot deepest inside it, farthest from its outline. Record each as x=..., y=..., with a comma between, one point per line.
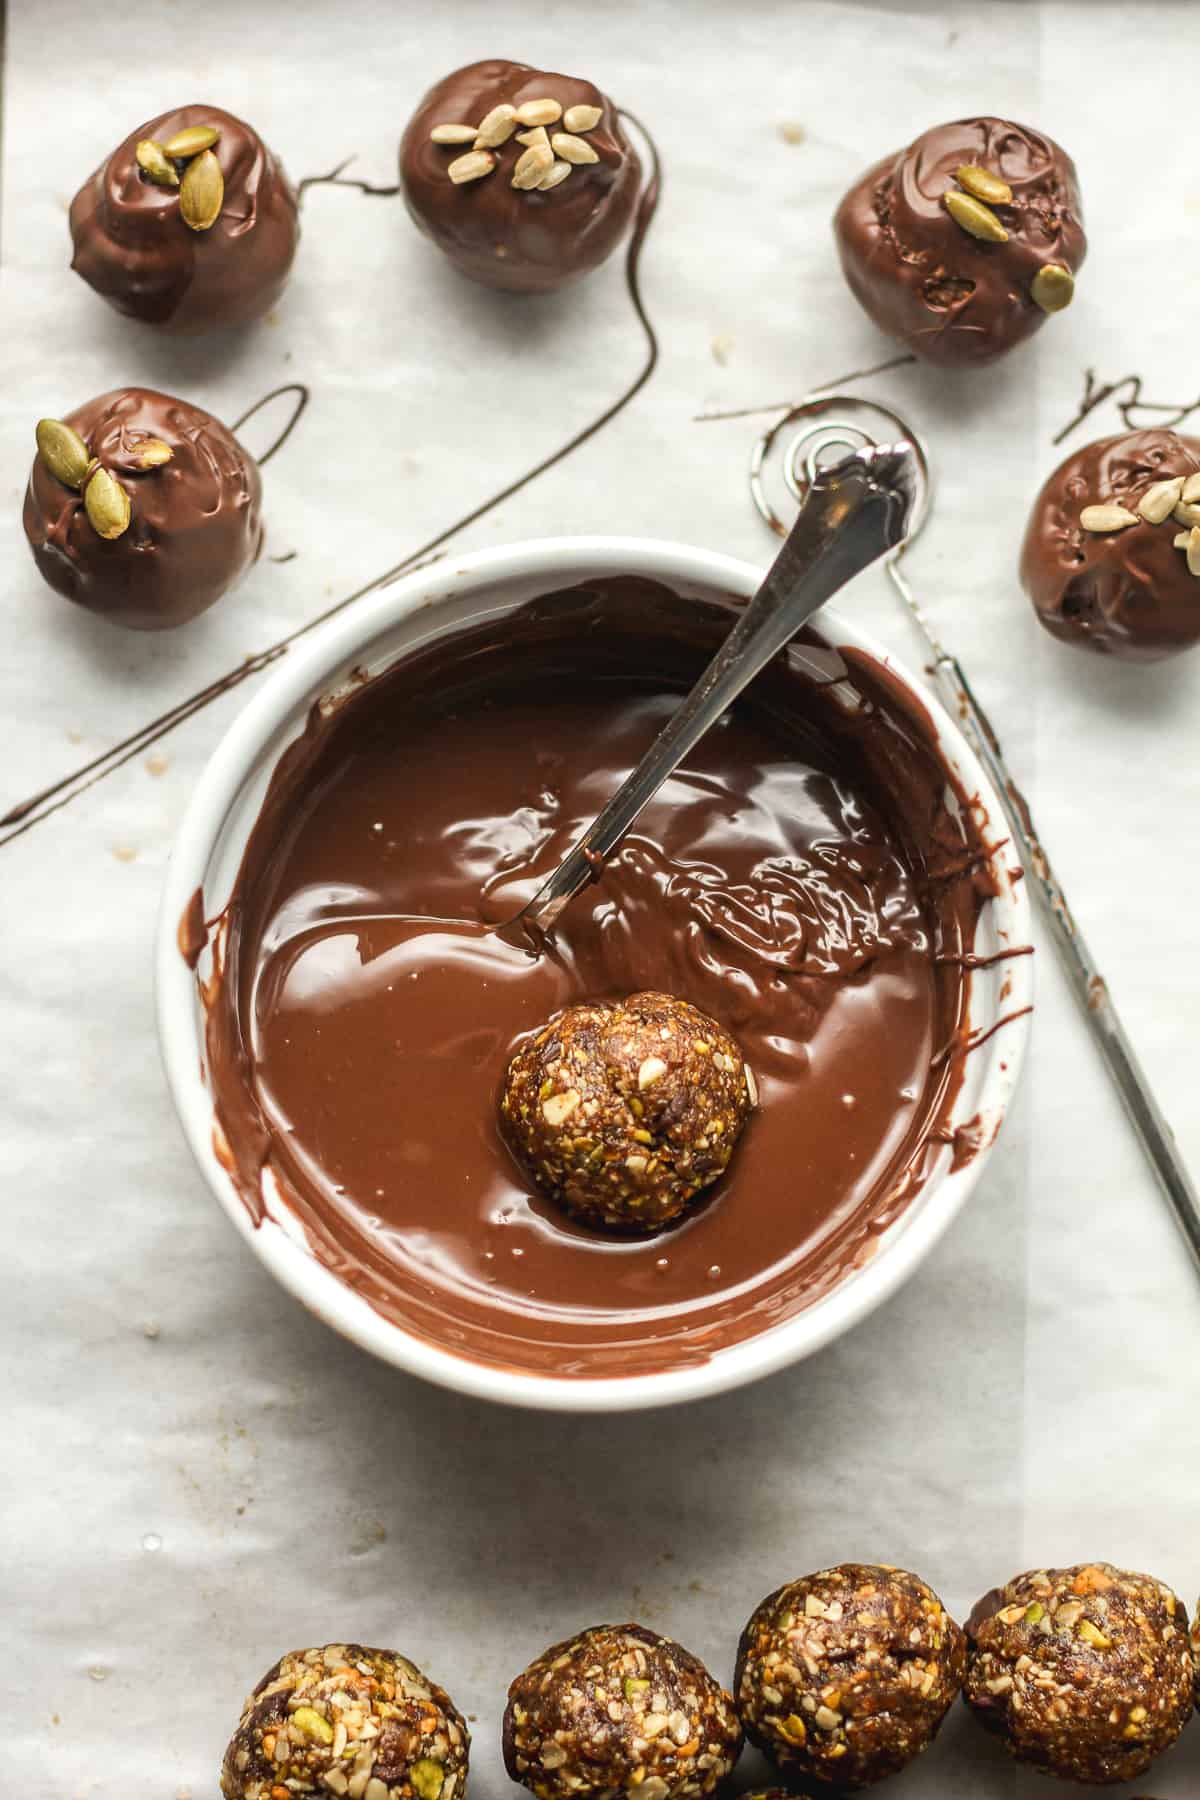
x=1085, y=1672
x=624, y=1113
x=191, y=223
x=844, y=1676
x=1111, y=558
x=347, y=1721
x=142, y=508
x=963, y=244
x=619, y=1711
x=523, y=177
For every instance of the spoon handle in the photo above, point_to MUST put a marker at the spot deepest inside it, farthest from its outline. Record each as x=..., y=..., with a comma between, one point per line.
x=854, y=512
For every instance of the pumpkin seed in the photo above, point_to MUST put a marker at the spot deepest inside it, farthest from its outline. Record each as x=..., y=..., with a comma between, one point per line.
x=1053, y=287
x=151, y=453
x=107, y=505
x=155, y=164
x=63, y=452
x=975, y=217
x=201, y=192
x=983, y=184
x=191, y=141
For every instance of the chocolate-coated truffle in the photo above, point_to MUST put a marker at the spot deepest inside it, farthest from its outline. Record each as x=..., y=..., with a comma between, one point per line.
x=1111, y=558
x=1084, y=1672
x=184, y=518
x=962, y=244
x=133, y=243
x=844, y=1676
x=619, y=1711
x=623, y=1113
x=345, y=1720
x=546, y=196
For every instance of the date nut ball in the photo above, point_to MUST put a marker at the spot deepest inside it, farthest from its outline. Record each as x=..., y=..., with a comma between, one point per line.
x=844, y=1676
x=619, y=1710
x=623, y=1113
x=962, y=245
x=190, y=225
x=347, y=1721
x=142, y=508
x=1111, y=558
x=523, y=177
x=1086, y=1672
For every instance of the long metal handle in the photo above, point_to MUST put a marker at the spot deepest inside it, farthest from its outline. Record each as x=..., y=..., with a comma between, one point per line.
x=1088, y=985
x=855, y=511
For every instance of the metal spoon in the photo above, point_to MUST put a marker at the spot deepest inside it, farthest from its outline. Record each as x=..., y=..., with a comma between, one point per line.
x=854, y=512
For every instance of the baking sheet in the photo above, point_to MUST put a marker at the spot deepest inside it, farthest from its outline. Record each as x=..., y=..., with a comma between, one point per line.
x=198, y=1475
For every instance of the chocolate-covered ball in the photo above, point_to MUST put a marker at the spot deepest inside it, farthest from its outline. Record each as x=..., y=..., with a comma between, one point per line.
x=624, y=1112
x=1085, y=1672
x=844, y=1676
x=619, y=1711
x=1111, y=558
x=961, y=245
x=346, y=1720
x=133, y=240
x=545, y=197
x=167, y=520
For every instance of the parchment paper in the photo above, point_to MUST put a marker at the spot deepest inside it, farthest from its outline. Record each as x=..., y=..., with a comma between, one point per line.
x=197, y=1474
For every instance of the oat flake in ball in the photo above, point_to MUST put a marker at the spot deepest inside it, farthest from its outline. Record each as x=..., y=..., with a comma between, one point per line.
x=619, y=1710
x=347, y=1721
x=1085, y=1672
x=844, y=1676
x=624, y=1112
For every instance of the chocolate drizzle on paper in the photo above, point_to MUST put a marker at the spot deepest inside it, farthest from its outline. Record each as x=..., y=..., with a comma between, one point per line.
x=48, y=800
x=1130, y=406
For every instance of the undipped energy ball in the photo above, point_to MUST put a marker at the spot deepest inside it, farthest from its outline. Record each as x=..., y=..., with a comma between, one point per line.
x=1085, y=1672
x=142, y=508
x=844, y=1676
x=1111, y=558
x=624, y=1112
x=191, y=223
x=619, y=1711
x=525, y=178
x=963, y=244
x=346, y=1721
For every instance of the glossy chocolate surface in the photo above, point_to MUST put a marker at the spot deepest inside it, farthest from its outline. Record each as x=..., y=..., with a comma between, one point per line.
x=1123, y=593
x=949, y=297
x=195, y=522
x=809, y=880
x=503, y=236
x=132, y=246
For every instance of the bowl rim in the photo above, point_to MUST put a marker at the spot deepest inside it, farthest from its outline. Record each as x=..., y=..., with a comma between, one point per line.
x=315, y=664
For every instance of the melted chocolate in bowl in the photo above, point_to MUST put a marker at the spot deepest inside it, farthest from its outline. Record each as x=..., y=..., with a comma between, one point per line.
x=811, y=878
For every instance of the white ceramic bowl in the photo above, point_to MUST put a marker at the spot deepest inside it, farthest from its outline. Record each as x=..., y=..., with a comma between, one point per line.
x=371, y=635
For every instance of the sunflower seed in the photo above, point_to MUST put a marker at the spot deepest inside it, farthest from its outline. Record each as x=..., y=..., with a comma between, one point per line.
x=1107, y=518
x=151, y=453
x=1182, y=539
x=201, y=192
x=1159, y=501
x=471, y=167
x=107, y=505
x=191, y=140
x=751, y=1085
x=1191, y=488
x=1187, y=513
x=554, y=176
x=974, y=217
x=496, y=127
x=155, y=164
x=452, y=134
x=532, y=164
x=539, y=112
x=537, y=135
x=582, y=118
x=63, y=452
x=1052, y=288
x=1193, y=550
x=983, y=184
x=572, y=149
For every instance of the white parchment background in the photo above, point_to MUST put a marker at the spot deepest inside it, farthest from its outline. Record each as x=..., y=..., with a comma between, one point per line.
x=196, y=1475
